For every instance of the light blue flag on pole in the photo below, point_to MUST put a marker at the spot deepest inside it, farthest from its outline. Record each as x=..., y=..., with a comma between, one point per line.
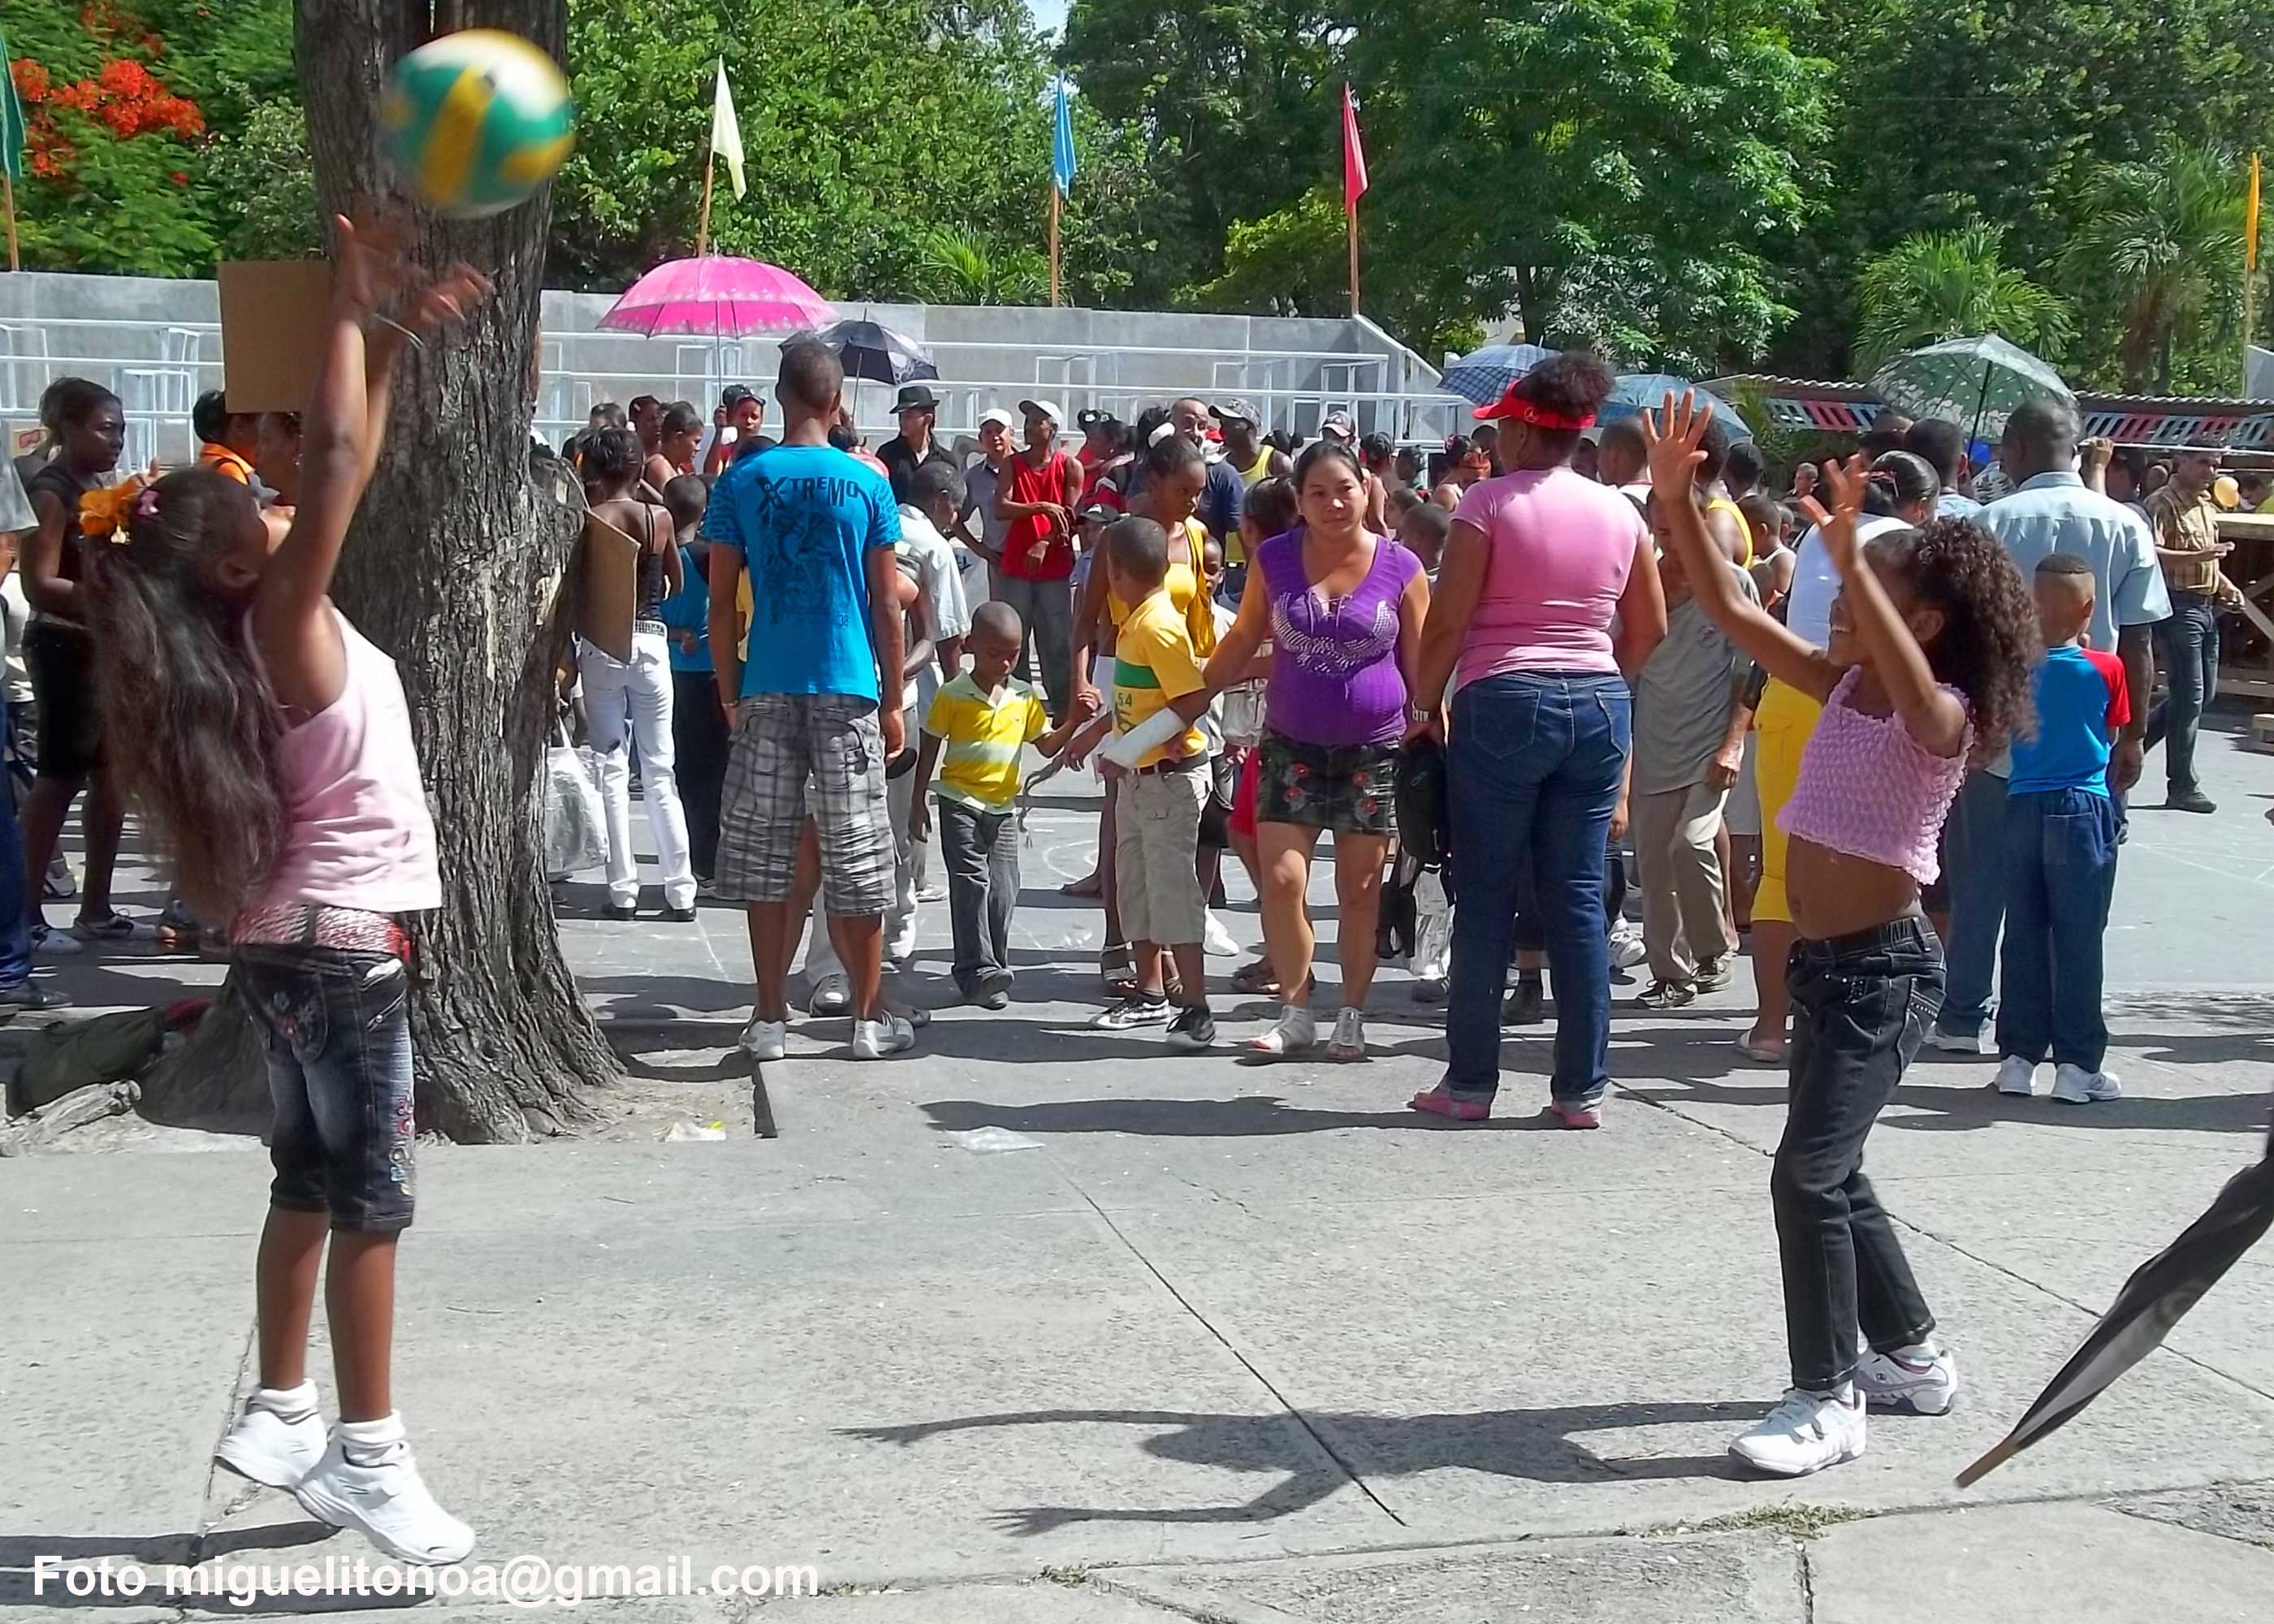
x=1062, y=159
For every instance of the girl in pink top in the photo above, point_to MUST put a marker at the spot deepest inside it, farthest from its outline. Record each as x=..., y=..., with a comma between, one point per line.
x=1928, y=668
x=274, y=756
x=1541, y=564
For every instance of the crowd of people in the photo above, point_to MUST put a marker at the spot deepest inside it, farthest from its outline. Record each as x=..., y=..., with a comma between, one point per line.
x=1873, y=726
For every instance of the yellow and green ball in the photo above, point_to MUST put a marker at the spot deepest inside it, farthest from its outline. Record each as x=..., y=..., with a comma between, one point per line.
x=478, y=121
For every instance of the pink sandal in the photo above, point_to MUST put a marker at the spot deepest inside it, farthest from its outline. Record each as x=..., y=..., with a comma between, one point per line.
x=1441, y=1101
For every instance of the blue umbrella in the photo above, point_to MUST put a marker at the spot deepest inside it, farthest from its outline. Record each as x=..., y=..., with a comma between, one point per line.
x=1483, y=375
x=1635, y=391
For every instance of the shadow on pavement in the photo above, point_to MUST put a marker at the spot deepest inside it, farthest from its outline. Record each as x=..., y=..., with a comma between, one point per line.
x=1315, y=1454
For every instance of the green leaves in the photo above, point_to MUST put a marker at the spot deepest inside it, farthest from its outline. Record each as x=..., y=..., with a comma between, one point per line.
x=1938, y=285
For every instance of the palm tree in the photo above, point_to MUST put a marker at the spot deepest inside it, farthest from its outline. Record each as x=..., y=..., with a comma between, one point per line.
x=1938, y=285
x=2160, y=246
x=958, y=268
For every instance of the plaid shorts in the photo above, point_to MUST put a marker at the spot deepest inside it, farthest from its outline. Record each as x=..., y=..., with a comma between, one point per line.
x=799, y=753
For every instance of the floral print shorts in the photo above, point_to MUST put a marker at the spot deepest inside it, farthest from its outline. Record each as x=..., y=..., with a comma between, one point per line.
x=1348, y=788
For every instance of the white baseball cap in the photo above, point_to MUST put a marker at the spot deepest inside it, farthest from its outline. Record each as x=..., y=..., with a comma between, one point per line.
x=997, y=415
x=1042, y=409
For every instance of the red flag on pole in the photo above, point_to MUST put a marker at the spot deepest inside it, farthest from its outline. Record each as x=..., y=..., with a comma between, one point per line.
x=1353, y=156
x=1354, y=185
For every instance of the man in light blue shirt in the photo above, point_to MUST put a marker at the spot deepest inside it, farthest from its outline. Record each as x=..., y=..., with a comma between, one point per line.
x=2052, y=511
x=813, y=726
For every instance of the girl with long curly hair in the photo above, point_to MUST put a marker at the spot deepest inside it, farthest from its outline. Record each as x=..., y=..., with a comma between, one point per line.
x=273, y=751
x=1933, y=637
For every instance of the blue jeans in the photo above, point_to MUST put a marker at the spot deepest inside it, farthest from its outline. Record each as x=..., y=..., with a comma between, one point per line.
x=1973, y=860
x=2060, y=870
x=15, y=922
x=2187, y=645
x=1534, y=763
x=337, y=1029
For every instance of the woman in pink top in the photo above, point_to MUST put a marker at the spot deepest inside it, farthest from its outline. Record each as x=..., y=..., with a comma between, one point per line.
x=1926, y=670
x=275, y=758
x=1542, y=564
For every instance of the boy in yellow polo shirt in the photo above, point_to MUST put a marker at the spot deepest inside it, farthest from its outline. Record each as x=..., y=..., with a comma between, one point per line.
x=1157, y=820
x=979, y=724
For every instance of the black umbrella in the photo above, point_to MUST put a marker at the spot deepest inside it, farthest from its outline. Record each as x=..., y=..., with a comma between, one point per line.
x=2152, y=1302
x=872, y=351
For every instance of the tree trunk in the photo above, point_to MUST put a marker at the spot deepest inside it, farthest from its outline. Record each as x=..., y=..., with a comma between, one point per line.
x=454, y=568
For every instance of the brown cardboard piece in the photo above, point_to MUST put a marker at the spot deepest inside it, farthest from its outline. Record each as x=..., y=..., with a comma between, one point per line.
x=271, y=331
x=609, y=589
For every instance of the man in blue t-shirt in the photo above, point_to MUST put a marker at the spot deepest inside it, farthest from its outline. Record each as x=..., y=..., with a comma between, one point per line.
x=2060, y=851
x=813, y=728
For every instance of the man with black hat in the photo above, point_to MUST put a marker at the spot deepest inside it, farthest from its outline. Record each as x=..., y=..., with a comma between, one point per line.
x=913, y=446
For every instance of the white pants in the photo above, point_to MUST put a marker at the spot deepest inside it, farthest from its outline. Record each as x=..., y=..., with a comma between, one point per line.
x=821, y=960
x=624, y=704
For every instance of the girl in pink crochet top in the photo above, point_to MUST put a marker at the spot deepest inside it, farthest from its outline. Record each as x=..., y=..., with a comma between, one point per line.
x=1933, y=638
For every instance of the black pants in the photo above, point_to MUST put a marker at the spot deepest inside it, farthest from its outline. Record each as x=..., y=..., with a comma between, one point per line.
x=1860, y=1004
x=980, y=851
x=701, y=743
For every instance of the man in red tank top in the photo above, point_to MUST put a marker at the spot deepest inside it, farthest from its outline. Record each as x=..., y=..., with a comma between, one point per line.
x=1040, y=490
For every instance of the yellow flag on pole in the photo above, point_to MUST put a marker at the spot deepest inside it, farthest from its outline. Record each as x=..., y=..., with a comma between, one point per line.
x=2250, y=221
x=726, y=131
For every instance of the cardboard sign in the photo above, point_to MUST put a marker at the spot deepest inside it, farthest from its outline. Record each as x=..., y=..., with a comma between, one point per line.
x=609, y=588
x=273, y=314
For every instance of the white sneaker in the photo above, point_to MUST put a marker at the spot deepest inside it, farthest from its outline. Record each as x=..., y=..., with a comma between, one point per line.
x=1627, y=949
x=1297, y=1028
x=385, y=1501
x=1216, y=939
x=48, y=943
x=1349, y=1041
x=271, y=1448
x=833, y=994
x=1806, y=1433
x=1889, y=1382
x=888, y=1035
x=1956, y=1042
x=2073, y=1085
x=2016, y=1075
x=765, y=1039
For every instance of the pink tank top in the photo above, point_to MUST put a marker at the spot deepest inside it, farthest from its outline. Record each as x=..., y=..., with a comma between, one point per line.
x=358, y=832
x=1870, y=789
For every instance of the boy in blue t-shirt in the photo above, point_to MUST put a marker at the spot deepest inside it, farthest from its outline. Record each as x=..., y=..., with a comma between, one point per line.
x=2060, y=852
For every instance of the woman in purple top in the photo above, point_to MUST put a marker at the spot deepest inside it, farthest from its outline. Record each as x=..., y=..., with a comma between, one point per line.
x=1343, y=609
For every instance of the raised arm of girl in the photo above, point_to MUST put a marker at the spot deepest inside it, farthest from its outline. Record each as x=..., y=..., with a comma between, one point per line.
x=1672, y=435
x=1930, y=713
x=293, y=627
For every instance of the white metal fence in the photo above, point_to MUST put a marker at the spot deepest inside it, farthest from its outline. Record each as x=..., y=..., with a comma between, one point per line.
x=1295, y=372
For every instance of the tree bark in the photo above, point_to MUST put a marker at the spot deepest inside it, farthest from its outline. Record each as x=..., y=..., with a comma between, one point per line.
x=454, y=568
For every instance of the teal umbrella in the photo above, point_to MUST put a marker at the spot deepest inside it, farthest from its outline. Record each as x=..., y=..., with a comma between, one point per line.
x=1977, y=381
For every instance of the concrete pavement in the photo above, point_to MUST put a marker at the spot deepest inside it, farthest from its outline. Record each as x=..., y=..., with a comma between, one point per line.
x=1053, y=1326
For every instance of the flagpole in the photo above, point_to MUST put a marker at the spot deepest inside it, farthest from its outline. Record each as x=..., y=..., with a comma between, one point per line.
x=702, y=231
x=2249, y=268
x=1057, y=200
x=15, y=262
x=1351, y=215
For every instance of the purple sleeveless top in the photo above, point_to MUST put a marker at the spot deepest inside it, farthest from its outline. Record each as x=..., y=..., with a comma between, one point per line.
x=1334, y=662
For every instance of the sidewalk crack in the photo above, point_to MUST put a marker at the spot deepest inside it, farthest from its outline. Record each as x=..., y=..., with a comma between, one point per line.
x=1326, y=1446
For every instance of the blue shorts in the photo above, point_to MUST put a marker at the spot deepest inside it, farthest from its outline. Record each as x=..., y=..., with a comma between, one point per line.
x=337, y=1027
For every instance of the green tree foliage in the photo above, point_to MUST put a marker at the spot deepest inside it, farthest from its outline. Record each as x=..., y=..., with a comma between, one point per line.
x=1938, y=285
x=955, y=267
x=2157, y=258
x=1950, y=110
x=866, y=128
x=1616, y=170
x=1237, y=96
x=125, y=99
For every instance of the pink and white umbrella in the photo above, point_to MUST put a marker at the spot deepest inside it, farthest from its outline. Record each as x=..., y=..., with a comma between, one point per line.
x=717, y=296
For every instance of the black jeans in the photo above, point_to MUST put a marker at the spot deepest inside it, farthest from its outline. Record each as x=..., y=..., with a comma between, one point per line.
x=2187, y=645
x=701, y=742
x=980, y=851
x=1860, y=1004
